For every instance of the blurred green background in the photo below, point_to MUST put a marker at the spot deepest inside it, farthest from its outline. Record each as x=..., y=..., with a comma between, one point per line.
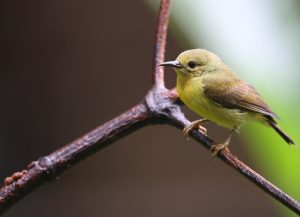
x=260, y=41
x=68, y=66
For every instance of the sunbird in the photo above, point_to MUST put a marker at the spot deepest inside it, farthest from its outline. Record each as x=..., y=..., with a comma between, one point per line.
x=211, y=89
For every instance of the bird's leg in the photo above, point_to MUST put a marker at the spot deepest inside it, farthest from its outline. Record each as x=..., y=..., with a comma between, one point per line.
x=215, y=149
x=195, y=124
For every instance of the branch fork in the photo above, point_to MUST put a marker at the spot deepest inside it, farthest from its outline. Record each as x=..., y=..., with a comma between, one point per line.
x=160, y=106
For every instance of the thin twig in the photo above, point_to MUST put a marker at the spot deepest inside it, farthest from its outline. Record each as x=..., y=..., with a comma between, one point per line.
x=160, y=45
x=159, y=106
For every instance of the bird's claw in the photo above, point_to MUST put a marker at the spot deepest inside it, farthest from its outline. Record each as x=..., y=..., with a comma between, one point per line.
x=215, y=149
x=202, y=130
x=196, y=124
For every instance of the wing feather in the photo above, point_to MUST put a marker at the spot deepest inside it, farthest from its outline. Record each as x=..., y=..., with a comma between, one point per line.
x=239, y=95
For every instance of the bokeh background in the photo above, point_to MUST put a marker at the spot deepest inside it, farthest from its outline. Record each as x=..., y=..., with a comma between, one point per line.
x=69, y=66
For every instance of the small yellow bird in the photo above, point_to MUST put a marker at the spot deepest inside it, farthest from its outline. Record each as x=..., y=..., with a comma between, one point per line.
x=211, y=89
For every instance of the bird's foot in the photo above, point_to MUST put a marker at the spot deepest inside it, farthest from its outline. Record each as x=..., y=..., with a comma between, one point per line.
x=215, y=149
x=202, y=130
x=195, y=124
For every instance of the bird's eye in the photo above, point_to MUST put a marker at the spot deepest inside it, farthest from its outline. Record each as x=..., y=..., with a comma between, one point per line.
x=192, y=64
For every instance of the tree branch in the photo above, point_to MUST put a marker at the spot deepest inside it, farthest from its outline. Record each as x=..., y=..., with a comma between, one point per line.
x=241, y=167
x=159, y=106
x=160, y=45
x=48, y=168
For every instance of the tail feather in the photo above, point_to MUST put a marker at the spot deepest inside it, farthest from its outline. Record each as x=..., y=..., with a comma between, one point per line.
x=274, y=125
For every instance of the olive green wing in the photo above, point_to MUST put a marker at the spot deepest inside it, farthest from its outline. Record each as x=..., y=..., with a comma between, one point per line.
x=239, y=96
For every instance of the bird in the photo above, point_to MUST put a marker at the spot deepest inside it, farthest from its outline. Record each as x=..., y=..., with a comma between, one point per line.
x=214, y=91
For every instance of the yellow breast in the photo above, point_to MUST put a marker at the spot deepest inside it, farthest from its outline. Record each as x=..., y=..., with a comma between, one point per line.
x=191, y=92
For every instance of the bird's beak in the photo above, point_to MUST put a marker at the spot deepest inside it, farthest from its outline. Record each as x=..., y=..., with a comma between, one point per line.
x=173, y=64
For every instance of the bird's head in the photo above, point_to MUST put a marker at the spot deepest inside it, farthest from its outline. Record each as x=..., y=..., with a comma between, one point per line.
x=194, y=63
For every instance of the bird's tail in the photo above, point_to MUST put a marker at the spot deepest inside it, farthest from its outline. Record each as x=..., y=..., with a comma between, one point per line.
x=274, y=125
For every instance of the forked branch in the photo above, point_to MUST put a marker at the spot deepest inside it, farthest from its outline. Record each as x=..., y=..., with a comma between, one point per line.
x=160, y=105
